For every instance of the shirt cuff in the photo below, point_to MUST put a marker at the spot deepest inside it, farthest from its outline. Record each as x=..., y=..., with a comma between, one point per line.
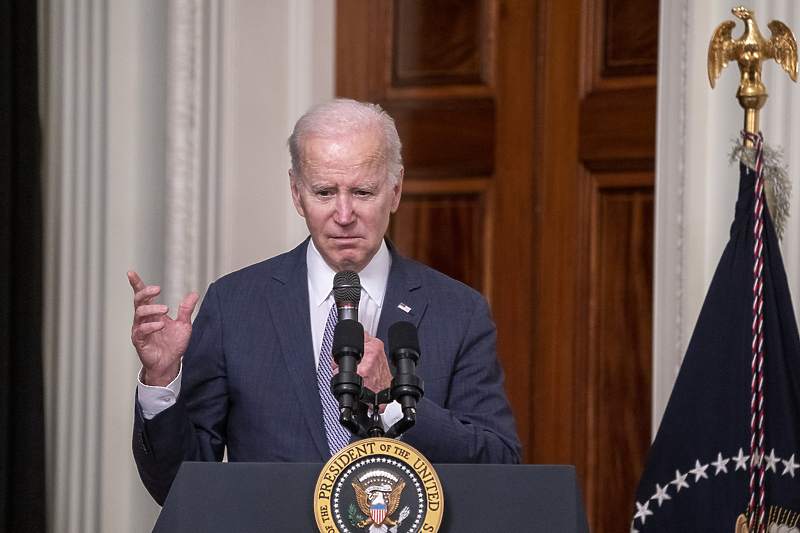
x=153, y=400
x=391, y=415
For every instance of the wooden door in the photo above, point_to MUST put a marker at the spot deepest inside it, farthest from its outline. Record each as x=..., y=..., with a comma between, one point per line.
x=529, y=137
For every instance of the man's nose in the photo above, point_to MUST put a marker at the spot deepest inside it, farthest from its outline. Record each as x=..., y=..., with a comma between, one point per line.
x=344, y=213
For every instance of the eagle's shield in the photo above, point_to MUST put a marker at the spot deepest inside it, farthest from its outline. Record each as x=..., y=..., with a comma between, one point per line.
x=378, y=512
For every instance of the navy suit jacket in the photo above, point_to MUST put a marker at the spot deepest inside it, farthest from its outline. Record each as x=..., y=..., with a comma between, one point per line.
x=249, y=381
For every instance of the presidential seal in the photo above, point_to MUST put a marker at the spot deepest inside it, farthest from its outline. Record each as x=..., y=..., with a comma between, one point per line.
x=378, y=485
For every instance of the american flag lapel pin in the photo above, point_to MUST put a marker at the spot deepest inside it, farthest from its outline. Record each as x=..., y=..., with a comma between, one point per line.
x=404, y=307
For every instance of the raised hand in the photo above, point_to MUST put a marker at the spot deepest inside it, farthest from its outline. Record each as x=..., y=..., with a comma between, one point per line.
x=159, y=340
x=374, y=366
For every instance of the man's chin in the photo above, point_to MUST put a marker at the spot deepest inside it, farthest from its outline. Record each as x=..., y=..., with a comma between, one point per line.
x=348, y=254
x=354, y=262
x=356, y=266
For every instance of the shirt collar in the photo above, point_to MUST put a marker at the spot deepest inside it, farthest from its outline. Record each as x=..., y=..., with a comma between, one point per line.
x=374, y=276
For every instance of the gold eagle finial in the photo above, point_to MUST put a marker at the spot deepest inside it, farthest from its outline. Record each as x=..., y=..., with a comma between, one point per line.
x=750, y=51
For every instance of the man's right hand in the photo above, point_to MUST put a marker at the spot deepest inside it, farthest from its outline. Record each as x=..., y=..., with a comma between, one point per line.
x=159, y=340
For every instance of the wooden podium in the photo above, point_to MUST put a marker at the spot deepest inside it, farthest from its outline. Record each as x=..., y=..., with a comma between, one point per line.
x=264, y=497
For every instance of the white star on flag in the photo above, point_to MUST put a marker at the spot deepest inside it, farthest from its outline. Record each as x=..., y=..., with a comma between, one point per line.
x=699, y=471
x=720, y=464
x=642, y=511
x=790, y=466
x=661, y=494
x=680, y=480
x=755, y=461
x=741, y=460
x=772, y=461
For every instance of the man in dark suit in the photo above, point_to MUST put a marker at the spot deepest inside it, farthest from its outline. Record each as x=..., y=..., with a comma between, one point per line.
x=250, y=376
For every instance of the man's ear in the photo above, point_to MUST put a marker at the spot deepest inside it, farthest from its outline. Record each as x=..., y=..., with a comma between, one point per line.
x=294, y=185
x=397, y=190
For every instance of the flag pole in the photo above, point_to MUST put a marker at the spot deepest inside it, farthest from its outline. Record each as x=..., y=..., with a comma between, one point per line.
x=750, y=51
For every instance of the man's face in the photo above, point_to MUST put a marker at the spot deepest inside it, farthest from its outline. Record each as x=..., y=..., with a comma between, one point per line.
x=346, y=198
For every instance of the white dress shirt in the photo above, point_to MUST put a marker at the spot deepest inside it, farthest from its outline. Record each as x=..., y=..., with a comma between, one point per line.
x=374, y=278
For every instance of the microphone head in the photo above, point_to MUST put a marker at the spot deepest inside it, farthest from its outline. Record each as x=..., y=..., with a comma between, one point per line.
x=403, y=340
x=348, y=339
x=346, y=288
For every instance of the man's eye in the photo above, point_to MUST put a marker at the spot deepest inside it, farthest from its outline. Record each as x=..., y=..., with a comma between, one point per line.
x=323, y=193
x=363, y=193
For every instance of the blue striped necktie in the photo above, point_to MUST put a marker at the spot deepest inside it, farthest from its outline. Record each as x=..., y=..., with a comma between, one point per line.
x=338, y=436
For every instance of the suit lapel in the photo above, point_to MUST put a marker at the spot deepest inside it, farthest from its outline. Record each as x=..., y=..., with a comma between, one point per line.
x=405, y=297
x=288, y=303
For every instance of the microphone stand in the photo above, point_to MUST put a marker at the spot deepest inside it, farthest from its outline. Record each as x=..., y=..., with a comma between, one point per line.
x=375, y=426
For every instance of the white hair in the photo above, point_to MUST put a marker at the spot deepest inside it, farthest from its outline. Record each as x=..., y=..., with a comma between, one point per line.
x=344, y=118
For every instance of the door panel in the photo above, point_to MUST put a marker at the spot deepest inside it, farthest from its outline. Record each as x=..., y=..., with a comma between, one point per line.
x=617, y=158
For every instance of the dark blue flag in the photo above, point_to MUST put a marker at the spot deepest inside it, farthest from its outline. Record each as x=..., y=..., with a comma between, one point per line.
x=697, y=477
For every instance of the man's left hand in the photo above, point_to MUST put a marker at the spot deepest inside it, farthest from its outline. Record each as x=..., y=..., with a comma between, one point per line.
x=374, y=367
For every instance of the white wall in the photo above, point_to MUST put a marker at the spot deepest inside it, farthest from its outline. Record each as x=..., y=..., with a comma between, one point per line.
x=695, y=186
x=281, y=60
x=105, y=72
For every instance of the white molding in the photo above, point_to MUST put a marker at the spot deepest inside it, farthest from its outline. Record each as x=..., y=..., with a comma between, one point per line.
x=670, y=178
x=102, y=181
x=781, y=127
x=75, y=185
x=193, y=151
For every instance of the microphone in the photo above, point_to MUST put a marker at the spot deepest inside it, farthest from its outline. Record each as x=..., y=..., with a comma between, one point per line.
x=406, y=388
x=347, y=293
x=348, y=347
